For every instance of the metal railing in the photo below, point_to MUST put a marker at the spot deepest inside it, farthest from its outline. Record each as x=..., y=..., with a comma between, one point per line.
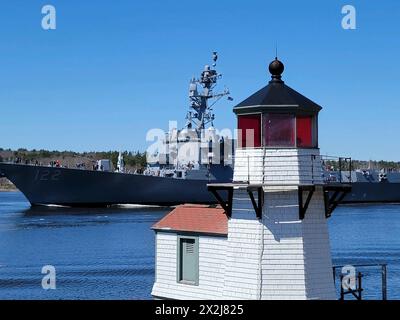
x=314, y=166
x=339, y=166
x=357, y=290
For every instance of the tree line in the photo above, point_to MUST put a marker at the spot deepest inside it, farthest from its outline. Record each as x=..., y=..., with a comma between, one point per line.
x=132, y=159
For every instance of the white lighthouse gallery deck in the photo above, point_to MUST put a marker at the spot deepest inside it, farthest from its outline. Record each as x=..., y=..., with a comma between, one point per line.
x=282, y=167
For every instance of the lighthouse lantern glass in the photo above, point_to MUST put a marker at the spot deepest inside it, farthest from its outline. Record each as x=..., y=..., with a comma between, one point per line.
x=279, y=130
x=304, y=125
x=249, y=126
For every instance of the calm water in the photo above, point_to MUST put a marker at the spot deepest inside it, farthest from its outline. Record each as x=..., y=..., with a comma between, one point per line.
x=109, y=253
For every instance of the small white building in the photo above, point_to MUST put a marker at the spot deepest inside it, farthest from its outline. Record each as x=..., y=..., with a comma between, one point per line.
x=190, y=253
x=269, y=239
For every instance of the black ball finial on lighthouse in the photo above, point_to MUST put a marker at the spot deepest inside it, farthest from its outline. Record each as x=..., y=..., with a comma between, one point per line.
x=276, y=69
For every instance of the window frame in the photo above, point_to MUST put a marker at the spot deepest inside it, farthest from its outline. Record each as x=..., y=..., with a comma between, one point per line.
x=261, y=115
x=179, y=260
x=265, y=117
x=314, y=131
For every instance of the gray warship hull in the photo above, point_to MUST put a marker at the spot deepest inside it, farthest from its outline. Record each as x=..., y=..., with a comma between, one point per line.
x=367, y=187
x=364, y=192
x=85, y=188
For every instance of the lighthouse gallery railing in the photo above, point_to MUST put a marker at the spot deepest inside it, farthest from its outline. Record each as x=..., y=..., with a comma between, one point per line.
x=316, y=168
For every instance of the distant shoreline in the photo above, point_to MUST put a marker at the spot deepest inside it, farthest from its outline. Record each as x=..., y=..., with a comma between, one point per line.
x=8, y=190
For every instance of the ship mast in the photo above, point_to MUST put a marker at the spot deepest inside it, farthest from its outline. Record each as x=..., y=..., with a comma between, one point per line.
x=120, y=163
x=200, y=113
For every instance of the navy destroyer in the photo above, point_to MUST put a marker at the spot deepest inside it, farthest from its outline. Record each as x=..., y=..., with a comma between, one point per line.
x=182, y=166
x=173, y=175
x=368, y=185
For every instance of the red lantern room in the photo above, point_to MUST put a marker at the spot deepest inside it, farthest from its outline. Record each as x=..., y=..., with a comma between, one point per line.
x=277, y=116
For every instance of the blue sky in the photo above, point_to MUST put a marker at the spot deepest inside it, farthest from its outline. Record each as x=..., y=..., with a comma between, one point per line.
x=114, y=69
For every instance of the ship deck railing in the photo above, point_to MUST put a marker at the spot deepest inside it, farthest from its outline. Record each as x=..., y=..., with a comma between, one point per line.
x=318, y=169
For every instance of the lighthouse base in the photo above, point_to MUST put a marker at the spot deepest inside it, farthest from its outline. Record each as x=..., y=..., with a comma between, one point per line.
x=278, y=256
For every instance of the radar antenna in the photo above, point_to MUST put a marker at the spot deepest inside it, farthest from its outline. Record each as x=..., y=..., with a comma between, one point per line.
x=200, y=113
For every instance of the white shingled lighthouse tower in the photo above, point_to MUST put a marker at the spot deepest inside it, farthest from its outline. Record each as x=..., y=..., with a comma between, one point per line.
x=280, y=202
x=276, y=244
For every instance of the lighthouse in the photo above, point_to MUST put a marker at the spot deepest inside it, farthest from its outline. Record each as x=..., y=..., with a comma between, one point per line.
x=269, y=237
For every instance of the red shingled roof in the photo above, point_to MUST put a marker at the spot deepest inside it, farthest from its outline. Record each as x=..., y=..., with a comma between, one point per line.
x=195, y=218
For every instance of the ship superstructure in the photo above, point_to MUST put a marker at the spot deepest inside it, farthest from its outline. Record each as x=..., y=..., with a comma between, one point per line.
x=196, y=147
x=178, y=172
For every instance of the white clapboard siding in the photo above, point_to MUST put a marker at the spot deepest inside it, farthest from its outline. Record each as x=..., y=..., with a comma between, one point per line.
x=242, y=271
x=242, y=207
x=296, y=261
x=279, y=257
x=211, y=268
x=278, y=166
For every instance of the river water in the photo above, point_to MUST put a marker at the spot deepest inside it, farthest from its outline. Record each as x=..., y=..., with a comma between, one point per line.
x=109, y=253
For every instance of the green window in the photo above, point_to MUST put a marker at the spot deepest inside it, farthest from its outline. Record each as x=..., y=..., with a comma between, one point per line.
x=188, y=260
